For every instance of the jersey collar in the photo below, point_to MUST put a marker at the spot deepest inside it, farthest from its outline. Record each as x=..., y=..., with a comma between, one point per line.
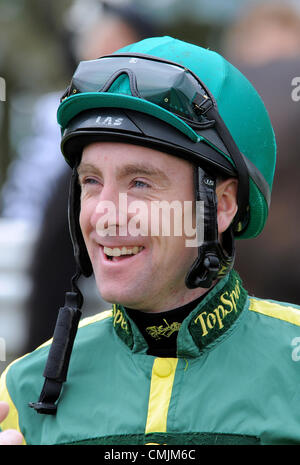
x=206, y=325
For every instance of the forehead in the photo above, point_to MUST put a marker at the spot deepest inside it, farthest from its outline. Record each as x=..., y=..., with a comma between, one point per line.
x=109, y=155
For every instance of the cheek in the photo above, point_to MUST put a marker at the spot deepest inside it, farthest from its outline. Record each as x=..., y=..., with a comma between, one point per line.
x=174, y=255
x=178, y=245
x=85, y=217
x=82, y=222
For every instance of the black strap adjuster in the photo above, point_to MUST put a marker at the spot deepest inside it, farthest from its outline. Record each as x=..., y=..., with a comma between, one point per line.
x=202, y=103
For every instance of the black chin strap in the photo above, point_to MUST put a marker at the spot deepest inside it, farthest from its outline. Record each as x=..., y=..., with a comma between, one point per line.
x=205, y=105
x=56, y=368
x=214, y=260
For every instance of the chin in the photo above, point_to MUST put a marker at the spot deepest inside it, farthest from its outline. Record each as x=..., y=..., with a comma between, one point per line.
x=119, y=288
x=114, y=295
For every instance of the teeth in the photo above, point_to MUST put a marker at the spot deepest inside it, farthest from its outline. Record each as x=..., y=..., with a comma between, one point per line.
x=116, y=252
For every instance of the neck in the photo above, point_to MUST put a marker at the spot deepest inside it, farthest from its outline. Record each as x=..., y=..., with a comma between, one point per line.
x=171, y=302
x=160, y=328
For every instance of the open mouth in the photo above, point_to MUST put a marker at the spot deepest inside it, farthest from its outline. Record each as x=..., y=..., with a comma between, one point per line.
x=117, y=254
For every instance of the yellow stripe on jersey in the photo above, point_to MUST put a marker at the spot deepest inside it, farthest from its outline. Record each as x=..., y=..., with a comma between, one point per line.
x=163, y=373
x=93, y=319
x=276, y=310
x=84, y=322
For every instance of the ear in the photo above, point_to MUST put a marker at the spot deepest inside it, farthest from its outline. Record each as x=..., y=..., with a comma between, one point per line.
x=227, y=202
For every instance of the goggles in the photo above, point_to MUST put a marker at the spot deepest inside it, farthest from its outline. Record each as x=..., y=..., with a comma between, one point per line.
x=178, y=90
x=164, y=83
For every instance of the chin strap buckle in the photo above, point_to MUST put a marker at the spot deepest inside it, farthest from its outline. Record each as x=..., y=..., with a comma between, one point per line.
x=212, y=257
x=211, y=263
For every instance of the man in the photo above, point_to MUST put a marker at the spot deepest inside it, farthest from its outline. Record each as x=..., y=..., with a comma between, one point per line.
x=185, y=356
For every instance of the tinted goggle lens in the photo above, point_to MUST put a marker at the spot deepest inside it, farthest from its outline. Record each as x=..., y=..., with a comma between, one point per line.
x=165, y=84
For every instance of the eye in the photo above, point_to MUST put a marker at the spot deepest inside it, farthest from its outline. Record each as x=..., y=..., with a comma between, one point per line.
x=91, y=181
x=140, y=184
x=88, y=181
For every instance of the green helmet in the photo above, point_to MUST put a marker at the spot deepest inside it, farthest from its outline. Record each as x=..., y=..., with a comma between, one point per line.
x=238, y=103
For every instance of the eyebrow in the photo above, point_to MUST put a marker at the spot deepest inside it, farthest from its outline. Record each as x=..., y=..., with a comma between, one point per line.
x=131, y=169
x=142, y=169
x=87, y=167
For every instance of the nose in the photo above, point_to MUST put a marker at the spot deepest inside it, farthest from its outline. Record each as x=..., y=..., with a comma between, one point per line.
x=110, y=211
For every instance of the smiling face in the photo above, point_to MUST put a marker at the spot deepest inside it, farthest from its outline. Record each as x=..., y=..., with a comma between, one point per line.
x=145, y=271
